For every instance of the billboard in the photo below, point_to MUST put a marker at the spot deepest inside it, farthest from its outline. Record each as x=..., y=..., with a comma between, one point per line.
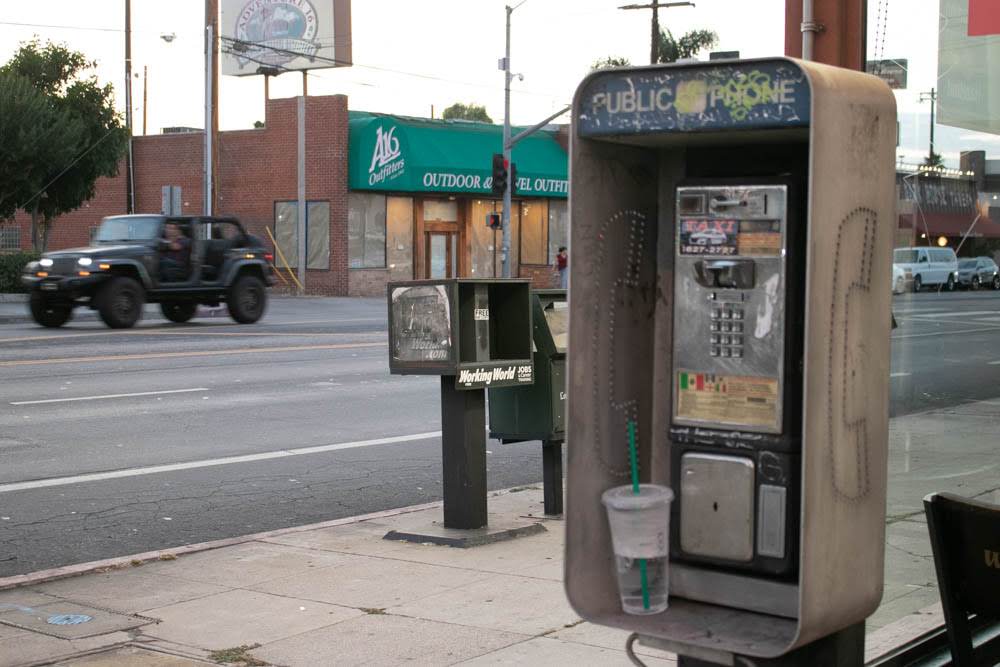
x=274, y=36
x=892, y=71
x=968, y=69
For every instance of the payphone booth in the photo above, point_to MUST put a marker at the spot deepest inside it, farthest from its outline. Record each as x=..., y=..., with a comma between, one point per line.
x=731, y=236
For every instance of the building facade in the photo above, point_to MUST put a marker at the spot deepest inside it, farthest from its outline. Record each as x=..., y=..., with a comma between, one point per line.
x=388, y=198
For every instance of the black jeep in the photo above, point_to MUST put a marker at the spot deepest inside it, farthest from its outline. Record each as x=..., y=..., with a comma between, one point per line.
x=178, y=262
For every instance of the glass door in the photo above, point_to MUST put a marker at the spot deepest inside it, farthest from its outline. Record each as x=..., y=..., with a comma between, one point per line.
x=442, y=260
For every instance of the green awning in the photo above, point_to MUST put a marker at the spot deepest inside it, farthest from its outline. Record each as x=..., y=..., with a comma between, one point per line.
x=402, y=154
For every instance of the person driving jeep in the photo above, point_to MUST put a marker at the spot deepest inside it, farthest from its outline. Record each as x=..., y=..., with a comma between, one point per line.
x=175, y=254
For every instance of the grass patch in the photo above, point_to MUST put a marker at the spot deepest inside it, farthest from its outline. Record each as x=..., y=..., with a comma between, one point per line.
x=237, y=655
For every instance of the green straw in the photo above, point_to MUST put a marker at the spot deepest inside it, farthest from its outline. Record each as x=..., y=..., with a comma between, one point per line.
x=633, y=457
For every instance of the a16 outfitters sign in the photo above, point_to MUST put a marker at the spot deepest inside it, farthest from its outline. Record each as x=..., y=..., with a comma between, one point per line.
x=258, y=36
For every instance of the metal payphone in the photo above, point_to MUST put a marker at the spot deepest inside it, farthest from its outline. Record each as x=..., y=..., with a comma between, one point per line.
x=735, y=452
x=731, y=234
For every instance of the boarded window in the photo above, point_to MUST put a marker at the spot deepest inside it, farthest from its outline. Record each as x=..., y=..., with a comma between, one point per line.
x=286, y=232
x=558, y=227
x=534, y=232
x=440, y=210
x=366, y=231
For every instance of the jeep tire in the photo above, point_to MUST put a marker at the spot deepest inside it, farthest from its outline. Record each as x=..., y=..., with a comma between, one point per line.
x=247, y=299
x=179, y=312
x=120, y=302
x=49, y=312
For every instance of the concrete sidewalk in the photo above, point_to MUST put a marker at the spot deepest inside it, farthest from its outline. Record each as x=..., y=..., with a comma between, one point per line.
x=321, y=596
x=331, y=594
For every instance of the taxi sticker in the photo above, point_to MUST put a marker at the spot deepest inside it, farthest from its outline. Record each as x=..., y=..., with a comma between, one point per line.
x=728, y=399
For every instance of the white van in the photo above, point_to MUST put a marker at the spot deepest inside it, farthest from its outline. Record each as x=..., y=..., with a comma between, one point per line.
x=927, y=266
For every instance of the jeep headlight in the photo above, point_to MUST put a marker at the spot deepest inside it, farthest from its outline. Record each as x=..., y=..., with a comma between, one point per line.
x=84, y=261
x=45, y=261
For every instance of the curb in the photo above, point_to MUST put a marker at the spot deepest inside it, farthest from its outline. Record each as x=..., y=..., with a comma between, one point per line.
x=120, y=562
x=13, y=298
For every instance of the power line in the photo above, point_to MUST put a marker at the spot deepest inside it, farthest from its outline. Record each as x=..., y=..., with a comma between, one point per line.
x=238, y=47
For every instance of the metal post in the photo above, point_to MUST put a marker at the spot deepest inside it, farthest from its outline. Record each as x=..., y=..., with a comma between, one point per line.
x=302, y=212
x=463, y=455
x=552, y=478
x=505, y=220
x=808, y=30
x=130, y=171
x=209, y=84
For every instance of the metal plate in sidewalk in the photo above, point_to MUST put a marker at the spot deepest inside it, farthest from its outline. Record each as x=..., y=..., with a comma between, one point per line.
x=69, y=620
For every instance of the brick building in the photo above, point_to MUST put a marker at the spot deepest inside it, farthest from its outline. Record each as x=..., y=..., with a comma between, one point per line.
x=361, y=231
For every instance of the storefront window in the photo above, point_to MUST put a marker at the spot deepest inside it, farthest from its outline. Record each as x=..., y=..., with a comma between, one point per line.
x=366, y=231
x=558, y=226
x=286, y=233
x=534, y=232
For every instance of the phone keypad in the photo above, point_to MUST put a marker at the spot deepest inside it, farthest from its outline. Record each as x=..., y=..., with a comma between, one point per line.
x=726, y=327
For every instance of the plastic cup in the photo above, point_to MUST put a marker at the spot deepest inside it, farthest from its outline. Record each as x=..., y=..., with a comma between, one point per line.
x=640, y=529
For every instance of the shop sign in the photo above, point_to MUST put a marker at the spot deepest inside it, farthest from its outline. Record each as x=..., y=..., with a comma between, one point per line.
x=495, y=376
x=745, y=95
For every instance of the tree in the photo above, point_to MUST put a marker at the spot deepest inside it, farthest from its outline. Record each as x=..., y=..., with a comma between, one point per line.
x=459, y=111
x=934, y=160
x=689, y=45
x=609, y=61
x=82, y=138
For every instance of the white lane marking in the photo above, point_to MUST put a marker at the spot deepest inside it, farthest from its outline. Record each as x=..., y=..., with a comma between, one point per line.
x=946, y=333
x=98, y=398
x=205, y=463
x=959, y=474
x=957, y=314
x=899, y=375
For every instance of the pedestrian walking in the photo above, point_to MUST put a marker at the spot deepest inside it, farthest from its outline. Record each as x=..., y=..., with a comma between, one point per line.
x=562, y=265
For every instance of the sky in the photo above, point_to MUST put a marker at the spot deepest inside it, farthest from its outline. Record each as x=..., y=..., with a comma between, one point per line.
x=413, y=57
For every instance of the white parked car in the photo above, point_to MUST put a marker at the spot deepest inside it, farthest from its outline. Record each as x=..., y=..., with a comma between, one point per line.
x=928, y=266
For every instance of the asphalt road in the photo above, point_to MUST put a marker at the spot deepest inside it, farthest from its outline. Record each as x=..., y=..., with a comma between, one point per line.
x=946, y=350
x=110, y=441
x=82, y=401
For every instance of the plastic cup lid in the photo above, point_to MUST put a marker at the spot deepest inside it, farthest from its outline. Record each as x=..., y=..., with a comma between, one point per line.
x=624, y=497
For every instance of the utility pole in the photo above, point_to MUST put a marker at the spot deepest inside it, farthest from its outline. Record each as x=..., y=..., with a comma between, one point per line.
x=505, y=216
x=654, y=40
x=211, y=103
x=932, y=98
x=130, y=171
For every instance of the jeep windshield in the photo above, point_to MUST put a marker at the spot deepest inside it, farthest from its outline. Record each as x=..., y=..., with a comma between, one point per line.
x=131, y=228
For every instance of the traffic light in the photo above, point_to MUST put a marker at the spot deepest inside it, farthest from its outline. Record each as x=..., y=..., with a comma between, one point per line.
x=499, y=174
x=513, y=179
x=493, y=220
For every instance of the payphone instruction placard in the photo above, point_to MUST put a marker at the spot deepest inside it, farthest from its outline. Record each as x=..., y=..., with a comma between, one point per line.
x=728, y=398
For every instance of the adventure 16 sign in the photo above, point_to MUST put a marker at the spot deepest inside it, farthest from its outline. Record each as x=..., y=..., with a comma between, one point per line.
x=265, y=35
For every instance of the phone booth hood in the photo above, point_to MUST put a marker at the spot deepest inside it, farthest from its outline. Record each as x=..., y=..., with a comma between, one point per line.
x=638, y=135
